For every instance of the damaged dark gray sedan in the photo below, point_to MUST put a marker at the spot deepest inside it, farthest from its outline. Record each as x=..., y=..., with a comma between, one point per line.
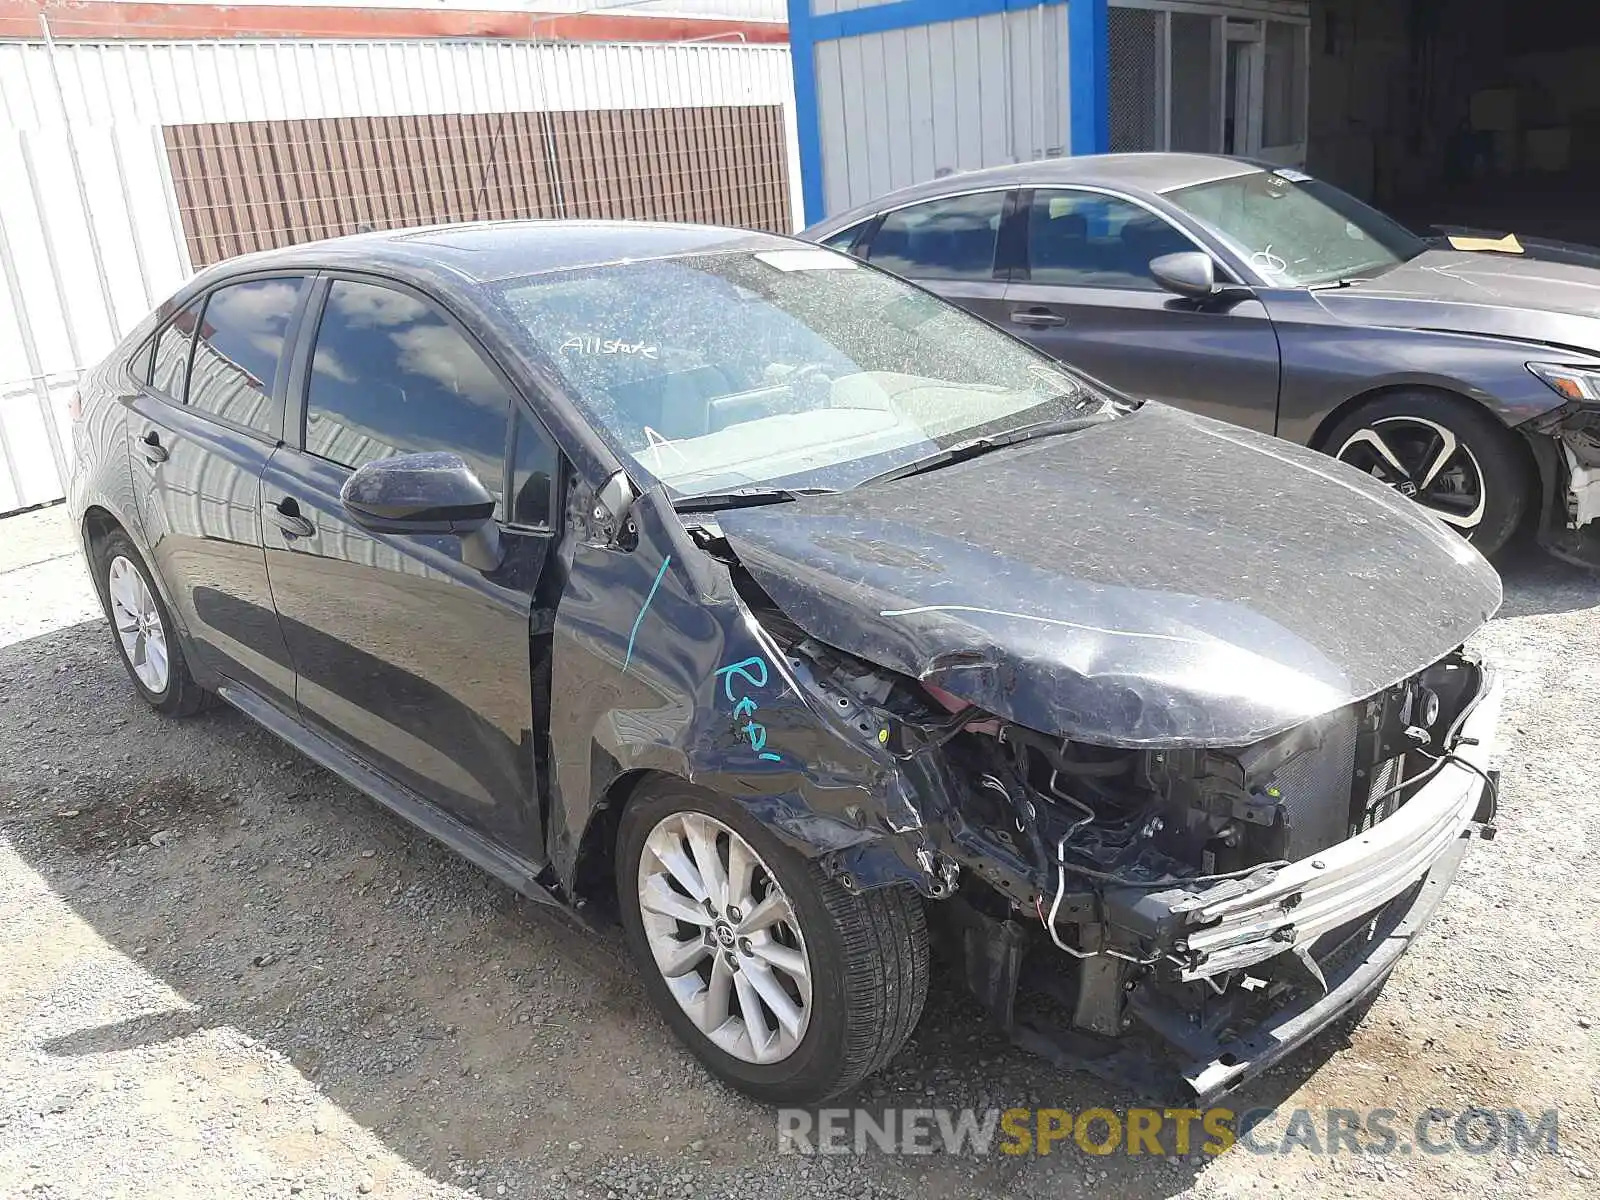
x=804, y=620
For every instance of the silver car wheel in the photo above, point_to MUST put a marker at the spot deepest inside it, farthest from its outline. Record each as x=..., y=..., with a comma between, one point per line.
x=138, y=624
x=725, y=938
x=1425, y=461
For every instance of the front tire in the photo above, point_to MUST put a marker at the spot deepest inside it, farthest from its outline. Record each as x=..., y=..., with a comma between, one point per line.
x=788, y=987
x=1450, y=456
x=143, y=630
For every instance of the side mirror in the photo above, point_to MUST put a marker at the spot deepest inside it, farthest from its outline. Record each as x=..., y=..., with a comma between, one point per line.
x=613, y=500
x=1190, y=274
x=426, y=493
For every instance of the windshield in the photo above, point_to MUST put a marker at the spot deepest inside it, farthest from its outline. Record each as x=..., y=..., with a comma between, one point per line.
x=793, y=368
x=1297, y=231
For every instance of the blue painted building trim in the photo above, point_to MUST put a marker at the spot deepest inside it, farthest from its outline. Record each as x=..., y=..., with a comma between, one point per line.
x=808, y=120
x=1088, y=58
x=1086, y=65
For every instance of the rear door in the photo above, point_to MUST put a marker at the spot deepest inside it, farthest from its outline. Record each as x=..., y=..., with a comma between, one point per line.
x=949, y=246
x=200, y=431
x=412, y=660
x=1083, y=293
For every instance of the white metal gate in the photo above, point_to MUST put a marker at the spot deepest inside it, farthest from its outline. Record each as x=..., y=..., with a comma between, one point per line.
x=1228, y=77
x=90, y=233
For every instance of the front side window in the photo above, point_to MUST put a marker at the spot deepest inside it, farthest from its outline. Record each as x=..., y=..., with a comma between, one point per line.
x=535, y=463
x=794, y=367
x=170, y=366
x=1295, y=231
x=952, y=238
x=1083, y=239
x=391, y=375
x=236, y=358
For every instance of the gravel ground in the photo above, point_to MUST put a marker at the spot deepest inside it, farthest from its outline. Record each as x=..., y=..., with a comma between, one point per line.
x=228, y=974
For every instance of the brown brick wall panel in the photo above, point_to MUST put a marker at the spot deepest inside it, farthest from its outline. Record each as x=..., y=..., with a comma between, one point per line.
x=251, y=185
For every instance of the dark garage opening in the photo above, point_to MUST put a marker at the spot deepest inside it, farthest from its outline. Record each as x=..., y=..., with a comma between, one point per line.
x=1482, y=114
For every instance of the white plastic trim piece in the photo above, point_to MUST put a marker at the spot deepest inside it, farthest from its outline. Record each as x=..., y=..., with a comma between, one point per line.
x=1583, y=496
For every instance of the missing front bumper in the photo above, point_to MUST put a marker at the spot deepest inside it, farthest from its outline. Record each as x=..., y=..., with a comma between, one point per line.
x=1241, y=923
x=1319, y=937
x=1346, y=915
x=1251, y=968
x=1213, y=1066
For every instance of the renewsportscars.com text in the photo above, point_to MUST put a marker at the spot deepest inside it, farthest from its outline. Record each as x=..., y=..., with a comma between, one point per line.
x=1166, y=1131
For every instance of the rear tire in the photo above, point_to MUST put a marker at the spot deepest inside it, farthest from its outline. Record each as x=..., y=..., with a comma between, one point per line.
x=1456, y=460
x=859, y=962
x=142, y=629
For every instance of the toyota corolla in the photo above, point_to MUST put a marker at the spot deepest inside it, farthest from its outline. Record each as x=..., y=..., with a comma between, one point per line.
x=797, y=618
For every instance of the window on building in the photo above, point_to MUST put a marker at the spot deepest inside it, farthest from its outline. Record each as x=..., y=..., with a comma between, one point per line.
x=950, y=238
x=1083, y=239
x=391, y=375
x=241, y=345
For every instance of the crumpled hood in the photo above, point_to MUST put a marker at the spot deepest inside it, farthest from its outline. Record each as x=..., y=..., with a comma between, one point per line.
x=1498, y=295
x=1160, y=580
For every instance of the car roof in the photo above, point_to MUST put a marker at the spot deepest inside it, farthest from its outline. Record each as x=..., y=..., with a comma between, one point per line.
x=1135, y=173
x=485, y=251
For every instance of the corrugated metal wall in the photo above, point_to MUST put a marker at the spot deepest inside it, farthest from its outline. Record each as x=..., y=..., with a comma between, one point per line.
x=91, y=235
x=908, y=105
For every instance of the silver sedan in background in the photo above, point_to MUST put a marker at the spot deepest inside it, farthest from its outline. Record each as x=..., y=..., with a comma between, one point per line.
x=1465, y=372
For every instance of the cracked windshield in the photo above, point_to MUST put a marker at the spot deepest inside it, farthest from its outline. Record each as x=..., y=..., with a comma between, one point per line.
x=794, y=367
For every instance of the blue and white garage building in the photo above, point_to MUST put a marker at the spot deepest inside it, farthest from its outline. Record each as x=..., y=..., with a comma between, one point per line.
x=1482, y=113
x=890, y=94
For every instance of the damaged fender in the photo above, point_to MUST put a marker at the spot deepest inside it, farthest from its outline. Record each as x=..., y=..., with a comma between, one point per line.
x=662, y=667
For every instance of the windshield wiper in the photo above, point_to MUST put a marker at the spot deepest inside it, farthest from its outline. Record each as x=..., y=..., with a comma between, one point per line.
x=1362, y=275
x=973, y=447
x=747, y=497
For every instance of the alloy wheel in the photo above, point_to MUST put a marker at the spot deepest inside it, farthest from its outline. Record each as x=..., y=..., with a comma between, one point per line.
x=725, y=938
x=138, y=624
x=1425, y=461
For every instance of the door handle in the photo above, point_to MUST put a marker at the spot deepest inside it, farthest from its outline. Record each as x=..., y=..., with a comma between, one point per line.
x=154, y=452
x=285, y=514
x=1036, y=318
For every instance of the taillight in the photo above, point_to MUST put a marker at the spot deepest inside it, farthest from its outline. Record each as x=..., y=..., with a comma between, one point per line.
x=75, y=406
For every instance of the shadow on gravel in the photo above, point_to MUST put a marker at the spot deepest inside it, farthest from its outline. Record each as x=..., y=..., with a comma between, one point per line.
x=463, y=1026
x=1537, y=584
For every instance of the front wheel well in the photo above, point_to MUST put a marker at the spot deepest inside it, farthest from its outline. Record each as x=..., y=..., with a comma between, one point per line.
x=1325, y=428
x=594, y=869
x=1319, y=440
x=98, y=524
x=1508, y=490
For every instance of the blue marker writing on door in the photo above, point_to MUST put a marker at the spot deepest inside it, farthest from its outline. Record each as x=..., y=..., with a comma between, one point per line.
x=753, y=675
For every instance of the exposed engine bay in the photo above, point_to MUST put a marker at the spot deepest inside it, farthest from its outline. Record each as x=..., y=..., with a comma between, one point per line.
x=1154, y=888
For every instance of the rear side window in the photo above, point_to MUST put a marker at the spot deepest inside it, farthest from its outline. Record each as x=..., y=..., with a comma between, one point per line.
x=844, y=239
x=1083, y=239
x=171, y=363
x=390, y=374
x=237, y=357
x=952, y=238
x=143, y=361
